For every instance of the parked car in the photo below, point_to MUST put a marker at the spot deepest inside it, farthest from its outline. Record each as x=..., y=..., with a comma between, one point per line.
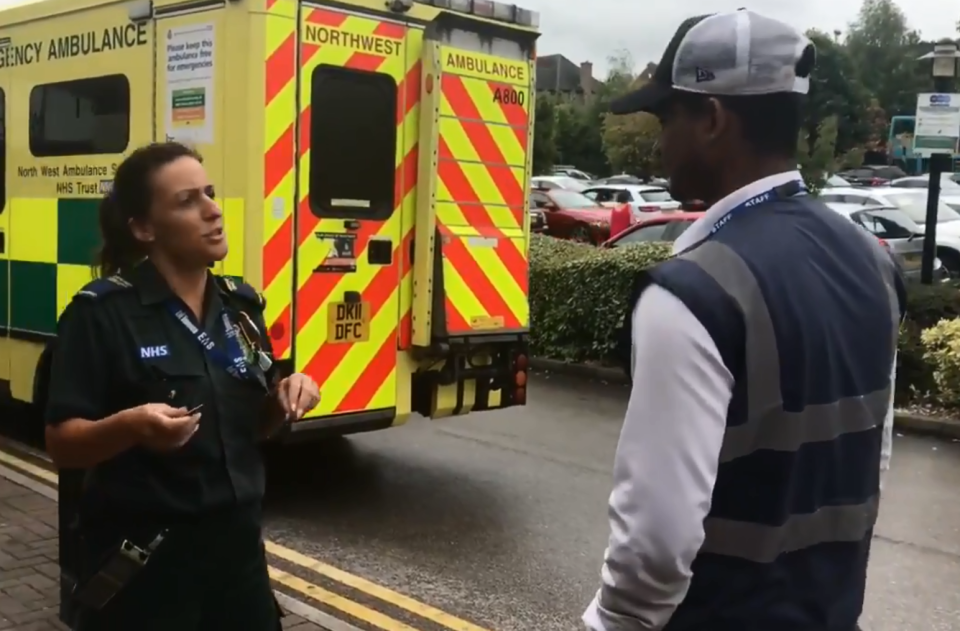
x=873, y=175
x=576, y=174
x=835, y=181
x=661, y=227
x=913, y=203
x=538, y=219
x=949, y=188
x=643, y=197
x=902, y=237
x=623, y=178
x=571, y=215
x=549, y=182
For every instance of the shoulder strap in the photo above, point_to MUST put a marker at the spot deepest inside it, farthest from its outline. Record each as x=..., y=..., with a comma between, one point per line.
x=101, y=287
x=242, y=290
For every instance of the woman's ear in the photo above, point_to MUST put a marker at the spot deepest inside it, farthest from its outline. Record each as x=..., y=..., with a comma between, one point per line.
x=142, y=232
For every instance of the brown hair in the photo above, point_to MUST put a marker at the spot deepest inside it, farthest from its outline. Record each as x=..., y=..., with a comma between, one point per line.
x=131, y=198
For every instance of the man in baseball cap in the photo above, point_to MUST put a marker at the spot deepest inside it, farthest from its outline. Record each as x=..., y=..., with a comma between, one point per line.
x=746, y=479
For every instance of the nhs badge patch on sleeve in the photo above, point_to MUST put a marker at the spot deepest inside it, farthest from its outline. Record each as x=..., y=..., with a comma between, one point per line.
x=152, y=352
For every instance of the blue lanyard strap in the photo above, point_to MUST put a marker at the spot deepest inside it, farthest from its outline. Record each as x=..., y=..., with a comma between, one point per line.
x=232, y=359
x=792, y=188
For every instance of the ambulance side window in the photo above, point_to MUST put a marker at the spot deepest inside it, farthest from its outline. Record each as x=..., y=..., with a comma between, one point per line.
x=80, y=117
x=353, y=143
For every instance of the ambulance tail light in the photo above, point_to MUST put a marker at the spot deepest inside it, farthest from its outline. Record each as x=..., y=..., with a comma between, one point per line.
x=520, y=365
x=501, y=11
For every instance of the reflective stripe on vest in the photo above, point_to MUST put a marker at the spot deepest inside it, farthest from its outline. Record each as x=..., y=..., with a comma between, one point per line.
x=770, y=427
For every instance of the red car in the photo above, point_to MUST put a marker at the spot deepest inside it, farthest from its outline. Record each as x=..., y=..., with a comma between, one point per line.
x=570, y=215
x=661, y=227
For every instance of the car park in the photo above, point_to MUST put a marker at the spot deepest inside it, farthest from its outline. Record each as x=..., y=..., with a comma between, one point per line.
x=914, y=204
x=949, y=188
x=571, y=215
x=644, y=198
x=549, y=182
x=899, y=234
x=661, y=227
x=872, y=175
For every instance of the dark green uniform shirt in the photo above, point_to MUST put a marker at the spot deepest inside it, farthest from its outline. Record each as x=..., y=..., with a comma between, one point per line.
x=119, y=346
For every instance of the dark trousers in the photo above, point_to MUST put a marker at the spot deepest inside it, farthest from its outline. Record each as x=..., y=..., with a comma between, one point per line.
x=208, y=574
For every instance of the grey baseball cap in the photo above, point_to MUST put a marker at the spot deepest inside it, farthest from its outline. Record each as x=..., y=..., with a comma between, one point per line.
x=726, y=54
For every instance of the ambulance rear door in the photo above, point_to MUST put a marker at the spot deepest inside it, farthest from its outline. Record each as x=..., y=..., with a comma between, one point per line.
x=348, y=228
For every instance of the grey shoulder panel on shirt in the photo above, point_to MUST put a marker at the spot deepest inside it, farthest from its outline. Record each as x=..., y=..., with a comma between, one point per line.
x=101, y=287
x=244, y=291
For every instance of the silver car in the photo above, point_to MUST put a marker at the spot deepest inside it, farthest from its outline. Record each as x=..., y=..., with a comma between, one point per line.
x=902, y=236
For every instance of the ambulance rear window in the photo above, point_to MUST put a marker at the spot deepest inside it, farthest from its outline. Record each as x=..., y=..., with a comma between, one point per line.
x=80, y=117
x=353, y=143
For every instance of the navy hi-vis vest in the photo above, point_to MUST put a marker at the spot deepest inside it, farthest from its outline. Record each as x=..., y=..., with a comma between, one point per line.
x=804, y=308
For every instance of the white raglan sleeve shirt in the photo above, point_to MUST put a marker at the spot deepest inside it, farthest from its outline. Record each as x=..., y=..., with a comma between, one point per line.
x=665, y=467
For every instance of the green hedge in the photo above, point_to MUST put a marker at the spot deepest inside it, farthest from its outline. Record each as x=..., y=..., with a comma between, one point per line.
x=578, y=296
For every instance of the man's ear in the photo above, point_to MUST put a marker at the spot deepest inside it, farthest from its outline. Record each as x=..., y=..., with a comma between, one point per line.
x=717, y=119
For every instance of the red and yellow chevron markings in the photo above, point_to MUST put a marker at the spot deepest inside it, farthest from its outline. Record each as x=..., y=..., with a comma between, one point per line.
x=279, y=167
x=362, y=375
x=483, y=142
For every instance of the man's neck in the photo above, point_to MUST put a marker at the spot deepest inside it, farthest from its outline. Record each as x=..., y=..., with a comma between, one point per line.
x=188, y=284
x=749, y=171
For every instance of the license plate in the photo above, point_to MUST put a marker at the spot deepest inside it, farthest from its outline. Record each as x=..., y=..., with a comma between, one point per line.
x=348, y=322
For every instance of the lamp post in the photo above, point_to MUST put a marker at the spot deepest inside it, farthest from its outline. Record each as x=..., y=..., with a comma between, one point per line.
x=945, y=54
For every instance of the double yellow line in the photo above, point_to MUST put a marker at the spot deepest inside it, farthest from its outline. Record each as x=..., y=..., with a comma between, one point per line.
x=311, y=591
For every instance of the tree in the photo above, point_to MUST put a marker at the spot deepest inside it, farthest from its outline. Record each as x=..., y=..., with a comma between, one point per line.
x=631, y=141
x=836, y=90
x=817, y=154
x=544, y=135
x=883, y=47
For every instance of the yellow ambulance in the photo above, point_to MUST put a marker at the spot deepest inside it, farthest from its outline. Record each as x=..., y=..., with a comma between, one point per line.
x=372, y=158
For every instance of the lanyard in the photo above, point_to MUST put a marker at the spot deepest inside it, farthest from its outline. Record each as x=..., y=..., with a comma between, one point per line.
x=232, y=359
x=792, y=188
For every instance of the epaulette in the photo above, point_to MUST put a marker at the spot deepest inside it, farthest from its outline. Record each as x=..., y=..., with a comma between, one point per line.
x=101, y=287
x=243, y=290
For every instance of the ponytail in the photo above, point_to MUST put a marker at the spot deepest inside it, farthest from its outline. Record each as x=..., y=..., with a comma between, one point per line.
x=119, y=250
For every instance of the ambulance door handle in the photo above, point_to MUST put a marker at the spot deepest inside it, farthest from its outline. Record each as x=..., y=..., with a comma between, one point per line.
x=352, y=297
x=351, y=224
x=380, y=251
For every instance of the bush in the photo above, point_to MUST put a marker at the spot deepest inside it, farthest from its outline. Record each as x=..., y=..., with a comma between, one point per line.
x=578, y=296
x=941, y=344
x=926, y=306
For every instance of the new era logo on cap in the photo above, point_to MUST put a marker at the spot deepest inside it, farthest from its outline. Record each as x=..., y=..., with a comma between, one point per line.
x=704, y=75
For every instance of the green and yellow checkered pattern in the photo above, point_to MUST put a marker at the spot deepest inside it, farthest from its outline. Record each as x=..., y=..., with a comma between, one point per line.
x=50, y=246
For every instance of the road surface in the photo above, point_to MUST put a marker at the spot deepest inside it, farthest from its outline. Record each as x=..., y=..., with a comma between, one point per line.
x=499, y=519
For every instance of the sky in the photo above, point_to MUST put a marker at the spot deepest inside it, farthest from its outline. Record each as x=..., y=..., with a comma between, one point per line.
x=591, y=30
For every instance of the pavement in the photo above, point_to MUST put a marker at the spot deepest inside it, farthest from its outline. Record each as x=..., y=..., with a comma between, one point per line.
x=29, y=575
x=497, y=521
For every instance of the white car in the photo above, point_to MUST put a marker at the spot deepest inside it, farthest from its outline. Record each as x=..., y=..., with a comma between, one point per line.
x=549, y=182
x=901, y=236
x=913, y=202
x=644, y=198
x=949, y=187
